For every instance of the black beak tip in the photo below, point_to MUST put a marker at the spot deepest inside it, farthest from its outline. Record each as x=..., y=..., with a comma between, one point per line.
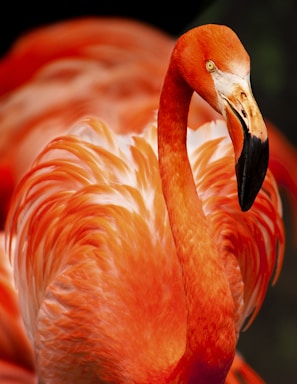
x=251, y=170
x=245, y=205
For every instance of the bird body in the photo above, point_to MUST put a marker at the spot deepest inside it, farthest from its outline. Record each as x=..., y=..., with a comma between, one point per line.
x=107, y=298
x=145, y=267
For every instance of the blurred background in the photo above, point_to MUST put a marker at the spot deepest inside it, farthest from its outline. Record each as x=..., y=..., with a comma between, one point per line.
x=268, y=30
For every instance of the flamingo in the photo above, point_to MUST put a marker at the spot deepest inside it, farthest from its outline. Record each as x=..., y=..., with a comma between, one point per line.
x=129, y=45
x=141, y=252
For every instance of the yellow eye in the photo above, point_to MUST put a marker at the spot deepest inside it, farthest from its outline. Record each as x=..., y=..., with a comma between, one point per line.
x=210, y=66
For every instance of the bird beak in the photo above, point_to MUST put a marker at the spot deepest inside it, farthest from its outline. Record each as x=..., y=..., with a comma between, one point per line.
x=249, y=136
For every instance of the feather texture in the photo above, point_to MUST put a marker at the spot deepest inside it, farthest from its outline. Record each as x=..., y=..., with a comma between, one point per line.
x=86, y=196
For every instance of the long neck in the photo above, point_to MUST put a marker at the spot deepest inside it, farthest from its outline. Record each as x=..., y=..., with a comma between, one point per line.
x=211, y=339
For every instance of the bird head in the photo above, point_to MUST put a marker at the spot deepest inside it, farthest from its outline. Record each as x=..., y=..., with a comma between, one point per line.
x=215, y=64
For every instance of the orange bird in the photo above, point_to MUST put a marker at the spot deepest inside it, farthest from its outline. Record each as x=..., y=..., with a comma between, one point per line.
x=94, y=53
x=140, y=257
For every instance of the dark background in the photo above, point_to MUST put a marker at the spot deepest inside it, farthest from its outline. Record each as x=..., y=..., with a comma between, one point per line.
x=268, y=29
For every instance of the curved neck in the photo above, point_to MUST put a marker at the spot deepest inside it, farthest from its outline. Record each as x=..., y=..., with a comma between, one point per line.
x=211, y=338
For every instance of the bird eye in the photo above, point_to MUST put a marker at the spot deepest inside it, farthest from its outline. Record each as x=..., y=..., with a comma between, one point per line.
x=210, y=66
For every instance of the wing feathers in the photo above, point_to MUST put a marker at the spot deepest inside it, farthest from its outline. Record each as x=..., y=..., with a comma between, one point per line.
x=123, y=172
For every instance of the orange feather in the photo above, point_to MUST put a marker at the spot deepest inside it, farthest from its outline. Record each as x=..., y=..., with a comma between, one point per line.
x=16, y=354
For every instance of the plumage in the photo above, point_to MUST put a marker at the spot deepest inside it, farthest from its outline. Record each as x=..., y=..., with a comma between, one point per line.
x=108, y=67
x=282, y=157
x=16, y=354
x=75, y=68
x=95, y=198
x=128, y=183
